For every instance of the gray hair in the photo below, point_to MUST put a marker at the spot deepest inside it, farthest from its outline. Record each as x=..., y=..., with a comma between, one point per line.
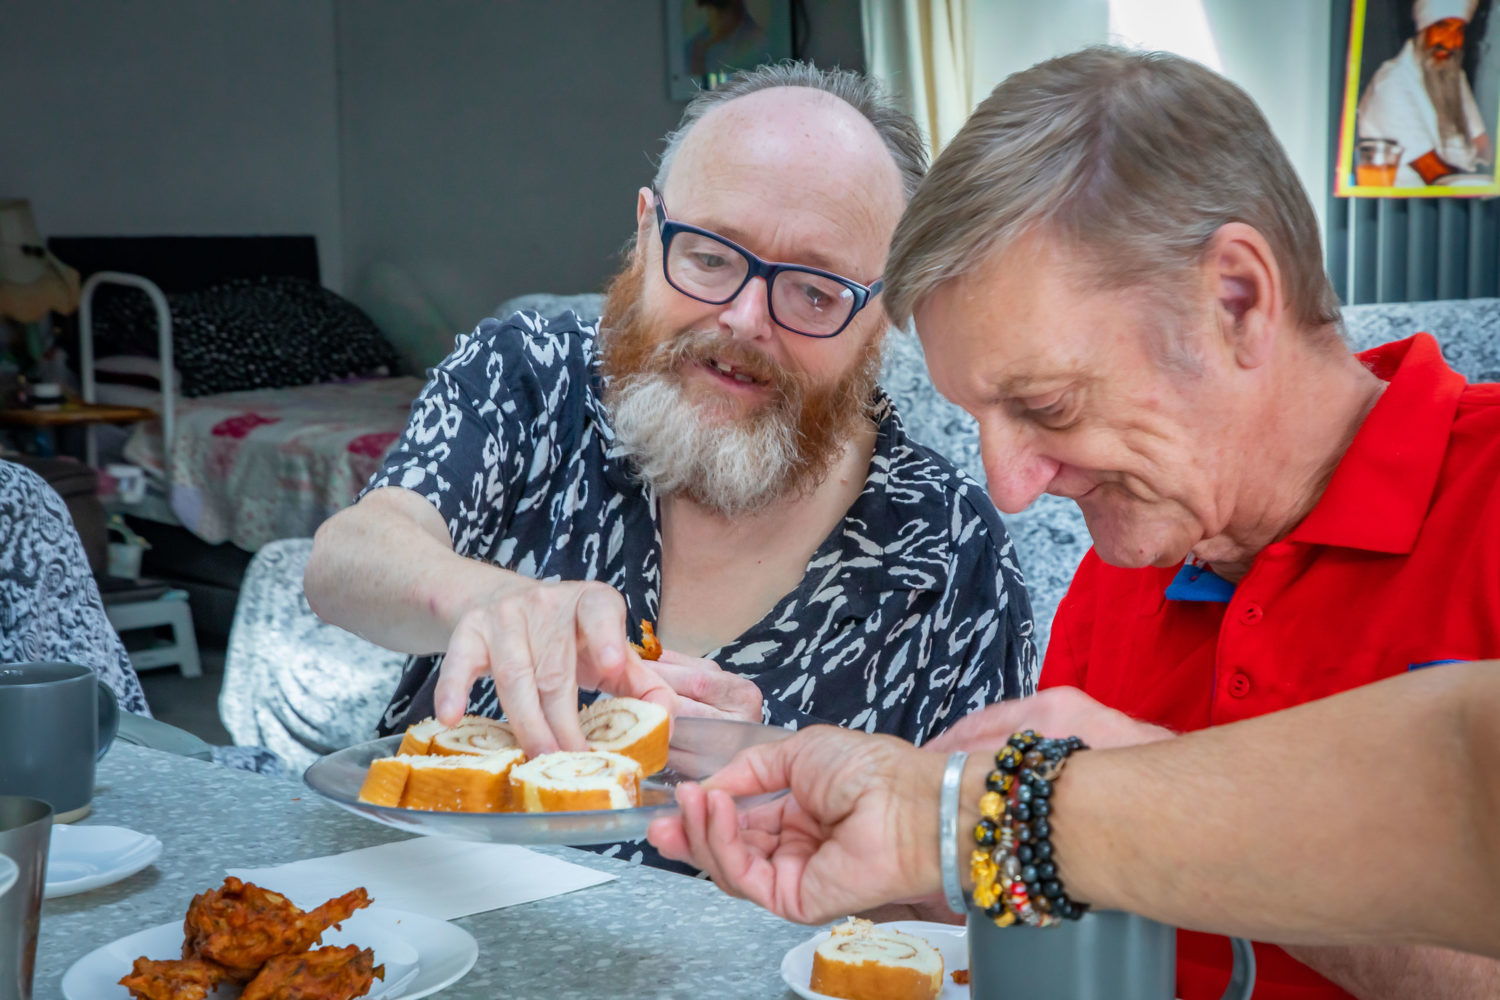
x=1133, y=159
x=895, y=127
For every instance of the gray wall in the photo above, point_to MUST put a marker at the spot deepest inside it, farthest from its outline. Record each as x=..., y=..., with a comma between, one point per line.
x=446, y=153
x=172, y=117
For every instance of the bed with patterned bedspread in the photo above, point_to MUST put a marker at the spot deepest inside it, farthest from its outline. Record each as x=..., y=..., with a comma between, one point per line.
x=250, y=467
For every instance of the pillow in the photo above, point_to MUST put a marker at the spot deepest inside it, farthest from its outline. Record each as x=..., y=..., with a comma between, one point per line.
x=133, y=370
x=254, y=333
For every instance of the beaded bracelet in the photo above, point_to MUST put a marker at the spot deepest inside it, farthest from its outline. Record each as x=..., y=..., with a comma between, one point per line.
x=1013, y=868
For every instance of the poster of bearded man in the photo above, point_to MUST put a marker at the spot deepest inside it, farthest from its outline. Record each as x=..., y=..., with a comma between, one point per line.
x=1421, y=100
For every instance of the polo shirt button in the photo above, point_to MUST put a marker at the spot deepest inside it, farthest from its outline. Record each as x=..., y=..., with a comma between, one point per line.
x=1239, y=684
x=1251, y=614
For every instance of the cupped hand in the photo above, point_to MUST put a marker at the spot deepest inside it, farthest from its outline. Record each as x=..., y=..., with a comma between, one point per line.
x=706, y=690
x=1055, y=712
x=541, y=642
x=858, y=829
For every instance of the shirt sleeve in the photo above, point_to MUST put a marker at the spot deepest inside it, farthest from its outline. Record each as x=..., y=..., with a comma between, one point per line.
x=1067, y=654
x=484, y=430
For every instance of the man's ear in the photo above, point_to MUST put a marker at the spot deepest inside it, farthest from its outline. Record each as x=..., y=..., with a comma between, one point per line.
x=1242, y=273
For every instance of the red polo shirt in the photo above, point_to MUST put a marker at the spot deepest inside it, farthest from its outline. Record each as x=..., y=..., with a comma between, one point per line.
x=1397, y=567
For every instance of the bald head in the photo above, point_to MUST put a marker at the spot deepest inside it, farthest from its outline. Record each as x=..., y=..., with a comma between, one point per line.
x=795, y=149
x=895, y=129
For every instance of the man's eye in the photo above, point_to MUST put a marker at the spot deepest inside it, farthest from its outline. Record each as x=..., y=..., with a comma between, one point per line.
x=709, y=261
x=1051, y=411
x=816, y=297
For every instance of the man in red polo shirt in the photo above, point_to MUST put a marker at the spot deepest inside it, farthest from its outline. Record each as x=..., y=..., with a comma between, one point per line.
x=1114, y=268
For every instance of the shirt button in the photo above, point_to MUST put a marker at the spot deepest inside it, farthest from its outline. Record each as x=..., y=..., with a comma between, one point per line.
x=1251, y=614
x=1239, y=684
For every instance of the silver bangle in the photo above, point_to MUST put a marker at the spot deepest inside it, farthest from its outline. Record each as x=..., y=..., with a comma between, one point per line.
x=948, y=833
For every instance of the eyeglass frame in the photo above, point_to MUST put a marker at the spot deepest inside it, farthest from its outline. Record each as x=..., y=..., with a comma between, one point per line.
x=758, y=267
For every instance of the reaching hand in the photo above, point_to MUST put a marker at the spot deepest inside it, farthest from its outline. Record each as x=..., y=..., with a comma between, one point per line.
x=706, y=690
x=859, y=828
x=1055, y=712
x=540, y=642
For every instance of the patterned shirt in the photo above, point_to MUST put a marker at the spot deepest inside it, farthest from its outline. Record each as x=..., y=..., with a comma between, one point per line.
x=912, y=612
x=50, y=609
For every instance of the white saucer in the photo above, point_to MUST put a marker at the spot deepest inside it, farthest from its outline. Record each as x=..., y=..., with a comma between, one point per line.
x=85, y=857
x=949, y=939
x=421, y=955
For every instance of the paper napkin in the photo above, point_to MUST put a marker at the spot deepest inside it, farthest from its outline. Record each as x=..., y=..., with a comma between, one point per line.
x=435, y=876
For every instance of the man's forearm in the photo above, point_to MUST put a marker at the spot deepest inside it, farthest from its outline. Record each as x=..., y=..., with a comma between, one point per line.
x=385, y=570
x=1367, y=817
x=1407, y=973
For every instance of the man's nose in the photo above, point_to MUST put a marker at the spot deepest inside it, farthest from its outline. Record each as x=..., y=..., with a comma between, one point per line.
x=1014, y=471
x=748, y=314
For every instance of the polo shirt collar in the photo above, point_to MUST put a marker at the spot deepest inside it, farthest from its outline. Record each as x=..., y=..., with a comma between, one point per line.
x=1382, y=488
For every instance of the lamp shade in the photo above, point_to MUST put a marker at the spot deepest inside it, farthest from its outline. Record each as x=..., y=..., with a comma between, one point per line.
x=32, y=281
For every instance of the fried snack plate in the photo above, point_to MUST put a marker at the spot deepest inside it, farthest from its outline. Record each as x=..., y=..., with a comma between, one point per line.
x=698, y=748
x=421, y=955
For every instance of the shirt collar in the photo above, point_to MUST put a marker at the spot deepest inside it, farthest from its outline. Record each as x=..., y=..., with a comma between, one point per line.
x=1382, y=488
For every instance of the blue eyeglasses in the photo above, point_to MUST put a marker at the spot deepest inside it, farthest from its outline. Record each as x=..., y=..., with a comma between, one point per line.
x=707, y=267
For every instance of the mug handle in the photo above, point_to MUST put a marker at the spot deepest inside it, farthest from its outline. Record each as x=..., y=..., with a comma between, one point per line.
x=109, y=719
x=1242, y=979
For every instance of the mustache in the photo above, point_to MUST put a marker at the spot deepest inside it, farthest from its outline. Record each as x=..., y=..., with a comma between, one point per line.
x=703, y=346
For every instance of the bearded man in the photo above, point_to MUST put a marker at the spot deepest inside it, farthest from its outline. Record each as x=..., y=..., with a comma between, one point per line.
x=716, y=458
x=1422, y=100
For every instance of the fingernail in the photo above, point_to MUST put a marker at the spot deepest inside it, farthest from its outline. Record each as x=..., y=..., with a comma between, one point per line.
x=611, y=655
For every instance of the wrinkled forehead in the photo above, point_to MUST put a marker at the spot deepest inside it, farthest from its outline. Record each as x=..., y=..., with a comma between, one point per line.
x=791, y=166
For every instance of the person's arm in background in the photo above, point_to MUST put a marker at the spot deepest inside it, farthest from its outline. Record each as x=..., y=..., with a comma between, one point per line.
x=393, y=568
x=53, y=603
x=1372, y=817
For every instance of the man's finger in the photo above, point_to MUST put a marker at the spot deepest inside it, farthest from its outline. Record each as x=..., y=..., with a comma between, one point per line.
x=751, y=874
x=758, y=769
x=514, y=674
x=464, y=663
x=554, y=646
x=599, y=616
x=993, y=724
x=667, y=836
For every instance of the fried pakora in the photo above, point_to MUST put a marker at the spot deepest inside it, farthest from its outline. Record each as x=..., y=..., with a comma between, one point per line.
x=173, y=979
x=649, y=647
x=330, y=973
x=242, y=926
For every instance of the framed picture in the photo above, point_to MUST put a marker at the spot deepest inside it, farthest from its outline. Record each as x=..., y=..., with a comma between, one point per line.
x=707, y=40
x=1421, y=100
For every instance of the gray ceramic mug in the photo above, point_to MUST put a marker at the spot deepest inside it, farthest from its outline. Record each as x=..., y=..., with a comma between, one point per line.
x=1108, y=955
x=56, y=721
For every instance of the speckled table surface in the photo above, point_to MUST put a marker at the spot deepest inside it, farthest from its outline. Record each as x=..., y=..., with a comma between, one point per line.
x=648, y=933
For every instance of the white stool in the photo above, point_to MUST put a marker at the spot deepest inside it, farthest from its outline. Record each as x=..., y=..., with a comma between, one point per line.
x=170, y=609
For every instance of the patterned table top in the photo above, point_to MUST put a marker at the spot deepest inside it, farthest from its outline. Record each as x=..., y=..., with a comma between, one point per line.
x=649, y=933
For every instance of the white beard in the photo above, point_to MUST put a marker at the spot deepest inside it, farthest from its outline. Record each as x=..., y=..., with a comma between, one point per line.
x=732, y=467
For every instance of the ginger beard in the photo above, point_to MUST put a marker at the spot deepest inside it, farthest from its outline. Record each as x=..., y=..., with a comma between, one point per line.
x=686, y=440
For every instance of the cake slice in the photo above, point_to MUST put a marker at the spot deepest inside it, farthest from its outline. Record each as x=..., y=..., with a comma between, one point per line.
x=576, y=780
x=418, y=737
x=861, y=961
x=474, y=735
x=460, y=783
x=385, y=781
x=638, y=729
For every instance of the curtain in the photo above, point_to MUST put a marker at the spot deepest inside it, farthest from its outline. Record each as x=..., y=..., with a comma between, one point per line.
x=921, y=50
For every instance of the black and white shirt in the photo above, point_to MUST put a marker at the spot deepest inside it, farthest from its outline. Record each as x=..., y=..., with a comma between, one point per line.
x=912, y=613
x=50, y=609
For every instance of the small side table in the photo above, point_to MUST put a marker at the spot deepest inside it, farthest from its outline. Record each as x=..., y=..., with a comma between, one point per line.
x=169, y=609
x=42, y=423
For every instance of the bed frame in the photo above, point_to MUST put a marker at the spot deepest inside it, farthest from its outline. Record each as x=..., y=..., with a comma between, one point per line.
x=161, y=265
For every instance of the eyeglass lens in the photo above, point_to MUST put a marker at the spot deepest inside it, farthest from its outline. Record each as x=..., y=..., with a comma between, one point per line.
x=707, y=269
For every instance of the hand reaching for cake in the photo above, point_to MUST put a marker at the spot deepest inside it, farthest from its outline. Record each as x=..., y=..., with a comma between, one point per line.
x=541, y=642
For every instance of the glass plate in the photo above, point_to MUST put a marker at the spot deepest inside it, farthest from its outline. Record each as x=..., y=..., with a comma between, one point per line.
x=698, y=748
